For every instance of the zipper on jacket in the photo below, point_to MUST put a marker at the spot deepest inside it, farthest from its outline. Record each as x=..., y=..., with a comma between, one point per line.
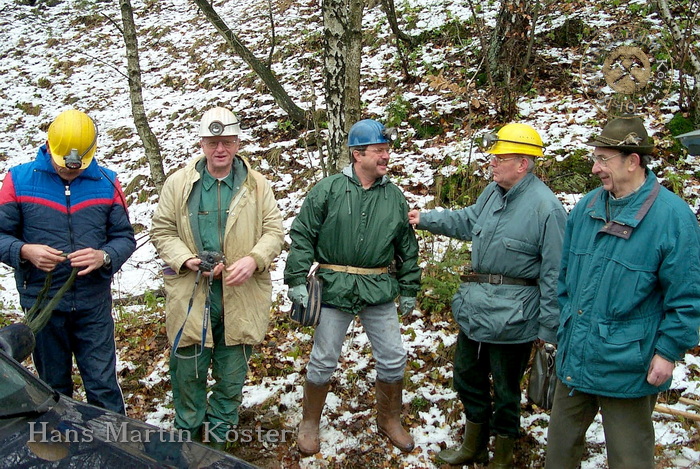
x=70, y=230
x=68, y=213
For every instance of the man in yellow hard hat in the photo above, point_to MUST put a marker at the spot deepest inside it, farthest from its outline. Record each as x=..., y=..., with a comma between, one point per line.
x=508, y=298
x=61, y=212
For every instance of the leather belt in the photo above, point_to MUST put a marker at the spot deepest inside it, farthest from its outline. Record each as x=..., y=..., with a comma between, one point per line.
x=349, y=269
x=497, y=279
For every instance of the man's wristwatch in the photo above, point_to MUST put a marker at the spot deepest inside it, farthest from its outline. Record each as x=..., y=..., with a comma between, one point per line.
x=106, y=260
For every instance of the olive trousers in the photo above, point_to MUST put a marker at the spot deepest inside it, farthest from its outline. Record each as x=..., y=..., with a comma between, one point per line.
x=627, y=424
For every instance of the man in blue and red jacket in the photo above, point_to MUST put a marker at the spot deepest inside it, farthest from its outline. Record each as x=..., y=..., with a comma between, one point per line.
x=59, y=212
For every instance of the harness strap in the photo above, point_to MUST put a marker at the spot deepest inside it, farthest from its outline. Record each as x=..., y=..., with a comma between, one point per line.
x=205, y=320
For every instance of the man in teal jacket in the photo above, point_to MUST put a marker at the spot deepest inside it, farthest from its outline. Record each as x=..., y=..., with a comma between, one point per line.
x=509, y=299
x=355, y=225
x=629, y=292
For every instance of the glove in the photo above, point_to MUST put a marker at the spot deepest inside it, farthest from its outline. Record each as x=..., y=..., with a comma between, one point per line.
x=407, y=304
x=299, y=294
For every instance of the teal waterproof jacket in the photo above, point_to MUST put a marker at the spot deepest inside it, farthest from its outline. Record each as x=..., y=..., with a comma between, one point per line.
x=518, y=234
x=628, y=289
x=342, y=223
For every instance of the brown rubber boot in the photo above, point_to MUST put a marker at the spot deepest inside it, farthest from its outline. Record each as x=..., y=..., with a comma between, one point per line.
x=474, y=448
x=314, y=399
x=503, y=453
x=389, y=415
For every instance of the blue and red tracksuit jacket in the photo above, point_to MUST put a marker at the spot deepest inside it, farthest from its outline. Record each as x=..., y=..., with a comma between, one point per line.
x=38, y=207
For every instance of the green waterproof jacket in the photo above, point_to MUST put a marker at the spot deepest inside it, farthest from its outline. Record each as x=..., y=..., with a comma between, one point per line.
x=342, y=223
x=518, y=234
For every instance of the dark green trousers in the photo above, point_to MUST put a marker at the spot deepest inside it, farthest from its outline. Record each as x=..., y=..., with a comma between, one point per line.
x=505, y=364
x=627, y=424
x=229, y=365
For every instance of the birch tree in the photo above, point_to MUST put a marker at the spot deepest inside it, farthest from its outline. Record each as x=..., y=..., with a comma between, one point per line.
x=342, y=27
x=148, y=138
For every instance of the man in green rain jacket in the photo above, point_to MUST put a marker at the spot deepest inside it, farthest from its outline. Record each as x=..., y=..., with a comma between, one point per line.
x=355, y=225
x=509, y=300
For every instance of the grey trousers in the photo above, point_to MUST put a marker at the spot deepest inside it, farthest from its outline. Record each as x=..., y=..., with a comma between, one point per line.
x=381, y=324
x=629, y=432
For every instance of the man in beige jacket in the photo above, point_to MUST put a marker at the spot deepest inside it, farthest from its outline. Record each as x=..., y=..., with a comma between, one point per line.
x=217, y=228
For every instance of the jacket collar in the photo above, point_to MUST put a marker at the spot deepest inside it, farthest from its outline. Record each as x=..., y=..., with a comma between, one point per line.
x=632, y=214
x=517, y=189
x=349, y=171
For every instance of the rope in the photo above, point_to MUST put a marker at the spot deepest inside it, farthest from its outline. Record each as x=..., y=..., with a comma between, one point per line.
x=35, y=319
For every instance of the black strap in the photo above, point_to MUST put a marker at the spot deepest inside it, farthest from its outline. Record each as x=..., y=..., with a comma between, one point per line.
x=498, y=279
x=35, y=319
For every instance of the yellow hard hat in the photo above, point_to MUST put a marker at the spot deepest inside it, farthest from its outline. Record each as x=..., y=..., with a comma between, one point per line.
x=514, y=138
x=72, y=139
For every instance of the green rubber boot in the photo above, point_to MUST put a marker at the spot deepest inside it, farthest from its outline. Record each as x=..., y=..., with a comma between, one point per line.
x=474, y=448
x=503, y=453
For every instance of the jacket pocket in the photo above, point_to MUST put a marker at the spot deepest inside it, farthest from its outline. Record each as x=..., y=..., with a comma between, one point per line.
x=496, y=317
x=619, y=349
x=512, y=244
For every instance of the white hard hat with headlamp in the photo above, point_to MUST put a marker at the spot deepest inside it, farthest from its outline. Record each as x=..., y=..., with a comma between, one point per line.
x=219, y=122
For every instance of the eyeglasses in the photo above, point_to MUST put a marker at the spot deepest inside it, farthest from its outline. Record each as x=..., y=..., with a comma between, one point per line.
x=379, y=151
x=228, y=143
x=602, y=161
x=498, y=160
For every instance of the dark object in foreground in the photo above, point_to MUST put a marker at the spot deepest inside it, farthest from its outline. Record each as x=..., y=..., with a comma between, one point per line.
x=41, y=428
x=691, y=140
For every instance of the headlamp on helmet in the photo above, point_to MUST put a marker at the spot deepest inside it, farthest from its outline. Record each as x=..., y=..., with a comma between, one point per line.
x=217, y=127
x=390, y=133
x=513, y=138
x=488, y=140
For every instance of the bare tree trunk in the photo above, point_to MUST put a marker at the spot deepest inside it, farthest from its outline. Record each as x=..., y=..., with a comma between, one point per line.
x=148, y=138
x=352, y=72
x=294, y=112
x=403, y=40
x=510, y=51
x=390, y=11
x=342, y=23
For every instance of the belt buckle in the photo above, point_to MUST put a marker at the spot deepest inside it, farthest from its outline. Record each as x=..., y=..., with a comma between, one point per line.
x=496, y=279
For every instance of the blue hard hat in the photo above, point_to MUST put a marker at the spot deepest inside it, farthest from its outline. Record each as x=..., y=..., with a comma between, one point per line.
x=367, y=132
